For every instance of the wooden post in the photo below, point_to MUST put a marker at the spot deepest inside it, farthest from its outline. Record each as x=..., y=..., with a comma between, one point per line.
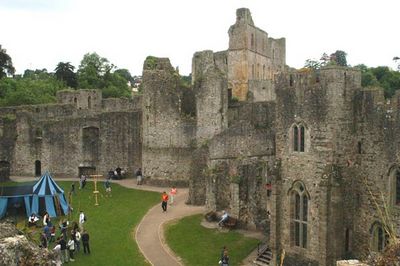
x=95, y=191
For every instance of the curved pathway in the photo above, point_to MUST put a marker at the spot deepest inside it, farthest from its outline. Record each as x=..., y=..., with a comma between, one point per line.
x=149, y=234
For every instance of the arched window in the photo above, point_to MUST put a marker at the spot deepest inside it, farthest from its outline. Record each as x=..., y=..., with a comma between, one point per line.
x=299, y=199
x=380, y=237
x=394, y=185
x=264, y=74
x=299, y=137
x=89, y=102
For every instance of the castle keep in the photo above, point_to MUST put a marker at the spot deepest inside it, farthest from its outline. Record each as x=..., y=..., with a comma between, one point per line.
x=303, y=155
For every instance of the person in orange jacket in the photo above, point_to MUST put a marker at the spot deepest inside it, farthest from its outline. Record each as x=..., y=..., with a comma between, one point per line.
x=164, y=202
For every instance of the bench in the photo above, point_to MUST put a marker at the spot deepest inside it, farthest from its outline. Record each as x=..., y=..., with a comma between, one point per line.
x=231, y=223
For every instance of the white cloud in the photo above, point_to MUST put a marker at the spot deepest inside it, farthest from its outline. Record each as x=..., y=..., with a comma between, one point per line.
x=39, y=34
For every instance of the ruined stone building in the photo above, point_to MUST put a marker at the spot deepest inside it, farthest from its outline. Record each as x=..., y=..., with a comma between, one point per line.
x=303, y=155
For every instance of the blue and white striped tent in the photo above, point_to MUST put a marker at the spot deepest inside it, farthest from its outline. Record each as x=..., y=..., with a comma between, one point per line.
x=53, y=195
x=44, y=195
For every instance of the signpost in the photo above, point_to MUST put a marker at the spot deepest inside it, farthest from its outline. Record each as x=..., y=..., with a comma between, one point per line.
x=95, y=191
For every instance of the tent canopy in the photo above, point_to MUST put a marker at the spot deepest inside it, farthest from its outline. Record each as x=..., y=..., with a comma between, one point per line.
x=45, y=188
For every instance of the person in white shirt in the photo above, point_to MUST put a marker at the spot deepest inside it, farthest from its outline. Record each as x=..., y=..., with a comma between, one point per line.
x=224, y=218
x=82, y=220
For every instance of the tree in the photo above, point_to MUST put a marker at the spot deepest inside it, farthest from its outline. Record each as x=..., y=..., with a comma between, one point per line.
x=65, y=72
x=6, y=66
x=339, y=58
x=91, y=70
x=313, y=64
x=125, y=74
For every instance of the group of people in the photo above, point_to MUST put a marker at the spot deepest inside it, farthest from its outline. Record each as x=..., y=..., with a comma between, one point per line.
x=67, y=243
x=165, y=198
x=116, y=174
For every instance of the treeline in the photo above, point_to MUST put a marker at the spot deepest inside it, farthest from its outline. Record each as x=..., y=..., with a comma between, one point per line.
x=382, y=76
x=40, y=86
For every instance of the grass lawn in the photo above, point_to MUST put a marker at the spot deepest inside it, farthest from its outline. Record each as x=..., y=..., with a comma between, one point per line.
x=110, y=225
x=201, y=246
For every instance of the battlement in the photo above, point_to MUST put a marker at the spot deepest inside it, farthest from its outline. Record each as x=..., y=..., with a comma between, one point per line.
x=82, y=99
x=348, y=77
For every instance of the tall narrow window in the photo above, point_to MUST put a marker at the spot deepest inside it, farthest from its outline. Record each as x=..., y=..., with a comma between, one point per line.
x=379, y=238
x=301, y=138
x=397, y=187
x=252, y=71
x=89, y=102
x=300, y=215
x=264, y=73
x=347, y=240
x=252, y=41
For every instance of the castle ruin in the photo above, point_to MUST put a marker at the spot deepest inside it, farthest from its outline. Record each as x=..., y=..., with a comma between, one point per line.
x=303, y=155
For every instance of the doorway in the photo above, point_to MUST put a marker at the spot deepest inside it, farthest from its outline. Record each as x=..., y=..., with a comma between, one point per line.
x=38, y=168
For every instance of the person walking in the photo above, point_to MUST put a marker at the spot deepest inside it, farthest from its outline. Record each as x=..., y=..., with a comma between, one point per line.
x=164, y=201
x=139, y=176
x=85, y=242
x=173, y=194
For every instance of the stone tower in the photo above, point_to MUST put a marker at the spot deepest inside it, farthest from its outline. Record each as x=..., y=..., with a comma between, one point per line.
x=253, y=59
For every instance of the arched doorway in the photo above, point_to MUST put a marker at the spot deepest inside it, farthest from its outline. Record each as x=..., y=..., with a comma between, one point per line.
x=38, y=168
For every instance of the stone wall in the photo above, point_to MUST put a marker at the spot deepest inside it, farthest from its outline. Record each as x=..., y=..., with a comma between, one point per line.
x=240, y=160
x=168, y=133
x=323, y=105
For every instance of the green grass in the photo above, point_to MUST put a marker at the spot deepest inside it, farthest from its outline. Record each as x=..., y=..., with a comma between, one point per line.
x=110, y=225
x=197, y=245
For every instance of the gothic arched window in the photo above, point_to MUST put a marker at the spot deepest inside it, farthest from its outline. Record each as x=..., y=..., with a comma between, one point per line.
x=380, y=237
x=298, y=137
x=299, y=199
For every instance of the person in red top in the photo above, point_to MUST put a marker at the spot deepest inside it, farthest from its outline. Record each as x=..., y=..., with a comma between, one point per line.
x=164, y=198
x=173, y=194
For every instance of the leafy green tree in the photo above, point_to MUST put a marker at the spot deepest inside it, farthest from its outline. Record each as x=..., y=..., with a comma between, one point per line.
x=313, y=64
x=125, y=74
x=382, y=76
x=339, y=58
x=6, y=66
x=91, y=71
x=32, y=89
x=65, y=72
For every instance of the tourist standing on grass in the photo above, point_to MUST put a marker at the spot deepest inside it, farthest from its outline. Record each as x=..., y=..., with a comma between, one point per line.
x=77, y=240
x=107, y=185
x=71, y=249
x=164, y=201
x=82, y=220
x=73, y=188
x=173, y=194
x=46, y=219
x=63, y=244
x=139, y=176
x=225, y=259
x=85, y=242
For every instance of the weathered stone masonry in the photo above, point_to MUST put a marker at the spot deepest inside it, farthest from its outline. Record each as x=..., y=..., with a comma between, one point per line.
x=302, y=155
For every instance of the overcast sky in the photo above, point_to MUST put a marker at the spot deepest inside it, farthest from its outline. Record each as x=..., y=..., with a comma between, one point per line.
x=40, y=33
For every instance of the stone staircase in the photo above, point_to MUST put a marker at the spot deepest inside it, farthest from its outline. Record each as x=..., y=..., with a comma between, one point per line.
x=264, y=256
